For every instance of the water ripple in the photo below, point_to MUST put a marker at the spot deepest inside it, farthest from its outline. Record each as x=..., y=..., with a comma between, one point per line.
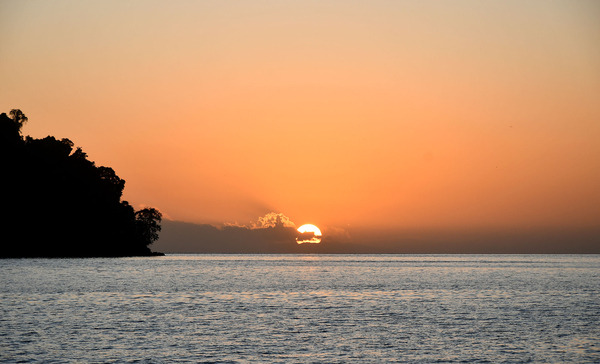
x=301, y=309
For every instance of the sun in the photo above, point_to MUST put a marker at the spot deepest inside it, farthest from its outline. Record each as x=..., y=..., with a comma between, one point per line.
x=309, y=233
x=309, y=228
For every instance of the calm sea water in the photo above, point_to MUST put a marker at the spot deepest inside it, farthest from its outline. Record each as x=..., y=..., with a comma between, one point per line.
x=302, y=309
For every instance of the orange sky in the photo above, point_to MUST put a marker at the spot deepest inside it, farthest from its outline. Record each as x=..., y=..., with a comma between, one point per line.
x=377, y=114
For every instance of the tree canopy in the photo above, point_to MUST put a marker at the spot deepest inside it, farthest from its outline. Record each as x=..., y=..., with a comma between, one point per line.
x=57, y=203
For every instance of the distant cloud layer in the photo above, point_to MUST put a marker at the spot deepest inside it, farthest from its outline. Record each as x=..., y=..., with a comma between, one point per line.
x=272, y=234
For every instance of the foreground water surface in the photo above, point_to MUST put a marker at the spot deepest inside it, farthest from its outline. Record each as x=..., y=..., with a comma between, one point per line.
x=302, y=308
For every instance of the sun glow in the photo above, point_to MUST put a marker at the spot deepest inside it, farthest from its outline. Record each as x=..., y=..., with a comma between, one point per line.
x=309, y=234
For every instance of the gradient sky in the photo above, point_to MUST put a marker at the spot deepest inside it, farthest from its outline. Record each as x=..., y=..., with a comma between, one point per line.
x=381, y=114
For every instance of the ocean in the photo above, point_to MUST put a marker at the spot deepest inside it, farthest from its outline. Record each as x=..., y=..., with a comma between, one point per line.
x=302, y=309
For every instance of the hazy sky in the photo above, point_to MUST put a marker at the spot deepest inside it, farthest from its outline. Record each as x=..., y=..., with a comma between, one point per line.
x=372, y=113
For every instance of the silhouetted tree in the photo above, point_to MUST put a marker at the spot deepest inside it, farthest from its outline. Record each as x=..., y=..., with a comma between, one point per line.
x=147, y=223
x=10, y=133
x=18, y=117
x=59, y=203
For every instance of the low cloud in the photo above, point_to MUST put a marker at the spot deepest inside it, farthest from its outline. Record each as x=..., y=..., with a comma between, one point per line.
x=269, y=220
x=181, y=237
x=273, y=219
x=337, y=233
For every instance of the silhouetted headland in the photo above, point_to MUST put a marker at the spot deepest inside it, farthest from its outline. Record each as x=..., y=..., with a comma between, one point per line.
x=57, y=203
